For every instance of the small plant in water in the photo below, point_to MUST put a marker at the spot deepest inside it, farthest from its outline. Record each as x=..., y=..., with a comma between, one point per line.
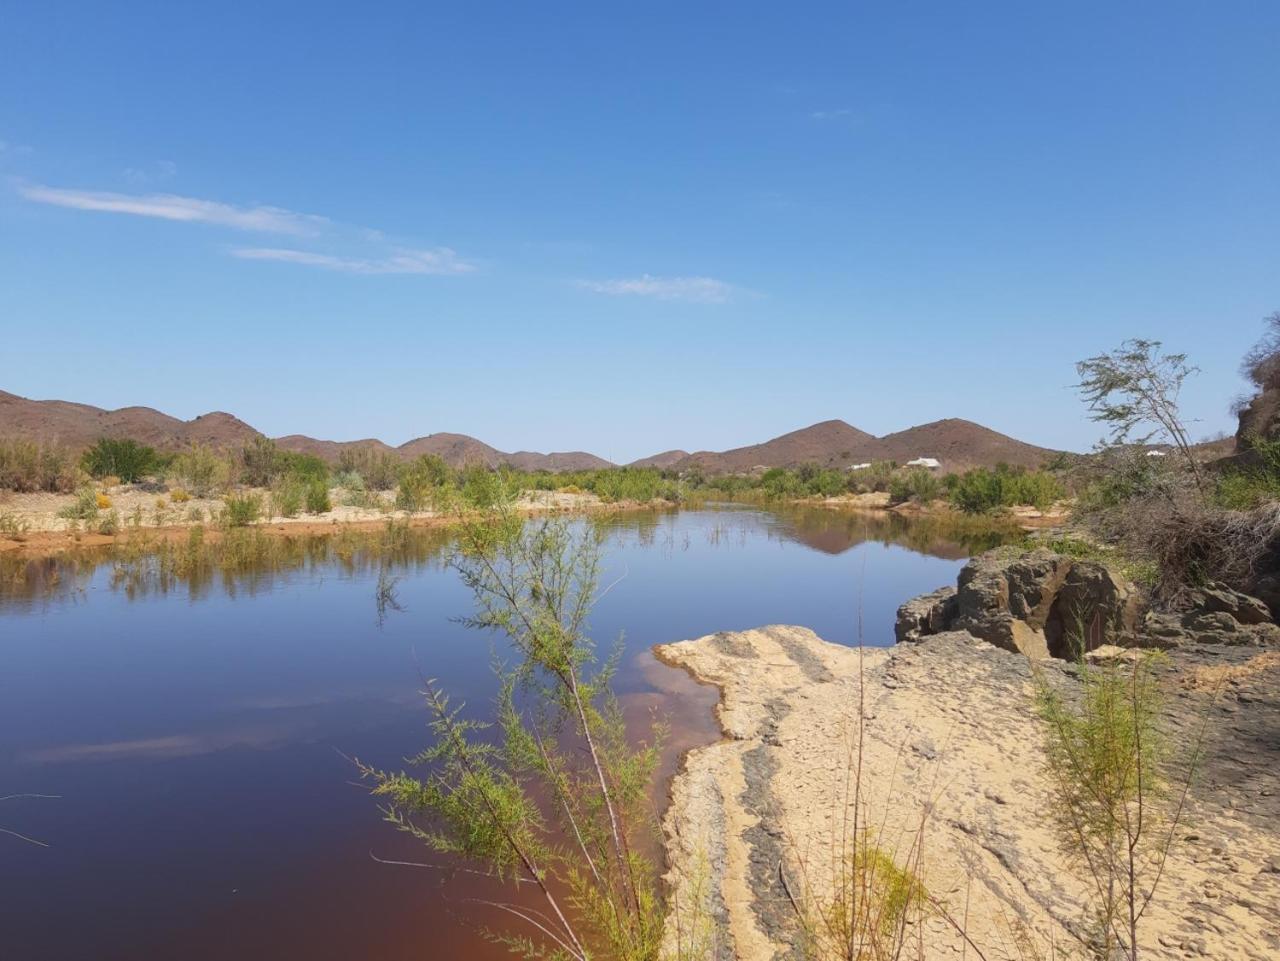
x=560, y=737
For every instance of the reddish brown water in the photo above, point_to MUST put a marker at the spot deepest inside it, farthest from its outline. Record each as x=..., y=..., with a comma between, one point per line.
x=196, y=735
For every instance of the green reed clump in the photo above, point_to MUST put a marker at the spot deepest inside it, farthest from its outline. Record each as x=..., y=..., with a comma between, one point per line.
x=241, y=510
x=85, y=507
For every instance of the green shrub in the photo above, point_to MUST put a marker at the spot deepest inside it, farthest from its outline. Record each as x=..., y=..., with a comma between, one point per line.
x=124, y=458
x=779, y=482
x=85, y=507
x=378, y=468
x=241, y=510
x=27, y=466
x=981, y=491
x=318, y=496
x=1251, y=487
x=287, y=496
x=421, y=481
x=262, y=463
x=871, y=479
x=914, y=484
x=200, y=470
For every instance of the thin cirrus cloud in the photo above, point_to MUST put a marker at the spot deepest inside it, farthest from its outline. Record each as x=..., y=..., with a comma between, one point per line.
x=439, y=260
x=700, y=290
x=264, y=219
x=383, y=258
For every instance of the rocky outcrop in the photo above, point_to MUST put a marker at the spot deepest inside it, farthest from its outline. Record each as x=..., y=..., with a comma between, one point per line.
x=926, y=614
x=1039, y=603
x=1215, y=614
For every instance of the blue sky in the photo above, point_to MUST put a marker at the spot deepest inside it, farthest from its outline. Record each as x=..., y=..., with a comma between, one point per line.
x=577, y=226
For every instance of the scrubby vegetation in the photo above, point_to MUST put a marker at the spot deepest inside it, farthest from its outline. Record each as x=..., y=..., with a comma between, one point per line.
x=557, y=798
x=27, y=466
x=982, y=491
x=123, y=458
x=1192, y=523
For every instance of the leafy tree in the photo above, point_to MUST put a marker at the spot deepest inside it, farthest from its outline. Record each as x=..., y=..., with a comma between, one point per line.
x=1134, y=391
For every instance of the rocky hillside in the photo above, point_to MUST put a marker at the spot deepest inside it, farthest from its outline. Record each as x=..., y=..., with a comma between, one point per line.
x=829, y=443
x=79, y=425
x=958, y=444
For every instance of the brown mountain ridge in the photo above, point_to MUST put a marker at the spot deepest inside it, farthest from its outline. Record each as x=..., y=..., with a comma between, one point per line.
x=958, y=444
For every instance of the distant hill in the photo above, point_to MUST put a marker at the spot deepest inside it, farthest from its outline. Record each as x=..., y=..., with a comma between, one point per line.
x=668, y=458
x=958, y=444
x=79, y=425
x=828, y=443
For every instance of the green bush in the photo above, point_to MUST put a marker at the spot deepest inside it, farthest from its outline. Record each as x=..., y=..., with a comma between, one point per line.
x=85, y=507
x=262, y=463
x=318, y=496
x=287, y=496
x=914, y=484
x=124, y=458
x=981, y=491
x=871, y=479
x=378, y=468
x=1251, y=487
x=421, y=482
x=241, y=510
x=200, y=470
x=27, y=466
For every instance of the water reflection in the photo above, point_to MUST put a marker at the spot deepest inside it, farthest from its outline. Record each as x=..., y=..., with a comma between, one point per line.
x=194, y=703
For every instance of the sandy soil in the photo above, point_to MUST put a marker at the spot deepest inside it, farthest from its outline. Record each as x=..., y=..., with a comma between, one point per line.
x=952, y=756
x=31, y=522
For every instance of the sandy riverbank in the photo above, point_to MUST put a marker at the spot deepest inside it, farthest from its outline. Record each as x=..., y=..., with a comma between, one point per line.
x=952, y=756
x=32, y=523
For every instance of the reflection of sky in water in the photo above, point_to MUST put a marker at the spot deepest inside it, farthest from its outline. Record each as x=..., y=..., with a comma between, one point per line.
x=196, y=743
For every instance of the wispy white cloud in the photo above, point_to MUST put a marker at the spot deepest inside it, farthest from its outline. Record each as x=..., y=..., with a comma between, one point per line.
x=701, y=290
x=835, y=114
x=440, y=260
x=264, y=219
x=382, y=258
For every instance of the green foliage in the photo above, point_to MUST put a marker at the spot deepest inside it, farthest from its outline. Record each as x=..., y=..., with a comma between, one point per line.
x=421, y=483
x=27, y=466
x=200, y=469
x=241, y=510
x=317, y=496
x=981, y=491
x=914, y=484
x=120, y=457
x=865, y=915
x=559, y=737
x=1106, y=754
x=1247, y=488
x=85, y=507
x=261, y=462
x=378, y=468
x=287, y=496
x=872, y=479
